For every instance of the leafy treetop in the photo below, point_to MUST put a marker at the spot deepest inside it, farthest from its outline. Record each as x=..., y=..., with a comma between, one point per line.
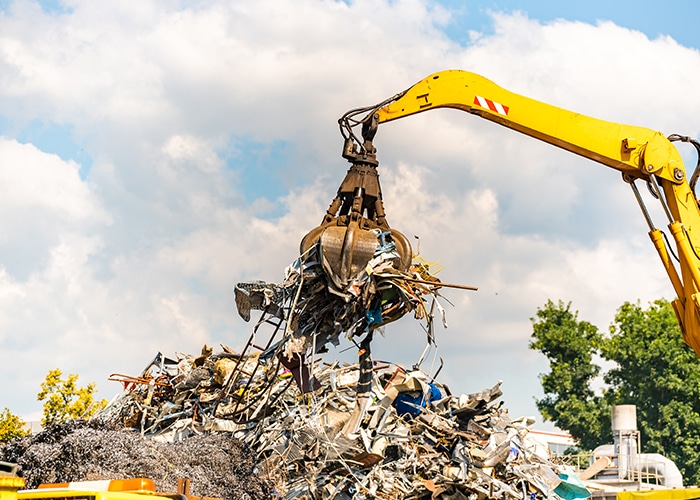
x=650, y=367
x=11, y=426
x=65, y=400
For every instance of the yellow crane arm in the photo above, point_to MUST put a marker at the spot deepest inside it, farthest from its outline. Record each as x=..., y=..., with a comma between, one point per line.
x=639, y=153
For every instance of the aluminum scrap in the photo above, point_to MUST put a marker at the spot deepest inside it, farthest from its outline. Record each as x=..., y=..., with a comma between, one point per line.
x=412, y=438
x=334, y=431
x=317, y=307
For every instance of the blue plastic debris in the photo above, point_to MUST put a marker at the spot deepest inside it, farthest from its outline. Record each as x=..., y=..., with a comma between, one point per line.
x=412, y=403
x=374, y=316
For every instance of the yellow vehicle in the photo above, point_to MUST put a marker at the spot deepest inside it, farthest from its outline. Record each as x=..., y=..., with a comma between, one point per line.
x=348, y=231
x=117, y=489
x=9, y=482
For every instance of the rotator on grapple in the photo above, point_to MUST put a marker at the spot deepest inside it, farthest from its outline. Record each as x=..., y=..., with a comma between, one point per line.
x=355, y=222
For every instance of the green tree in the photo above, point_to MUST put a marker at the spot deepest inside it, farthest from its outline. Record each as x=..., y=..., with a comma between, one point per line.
x=64, y=400
x=651, y=367
x=11, y=426
x=569, y=399
x=655, y=370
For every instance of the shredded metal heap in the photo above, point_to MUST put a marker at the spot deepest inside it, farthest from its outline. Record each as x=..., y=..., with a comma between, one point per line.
x=370, y=430
x=216, y=464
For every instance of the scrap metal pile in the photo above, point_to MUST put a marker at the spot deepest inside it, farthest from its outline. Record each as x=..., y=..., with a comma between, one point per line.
x=335, y=431
x=330, y=431
x=408, y=438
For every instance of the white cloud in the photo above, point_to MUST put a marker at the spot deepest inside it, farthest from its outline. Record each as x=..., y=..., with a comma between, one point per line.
x=37, y=181
x=100, y=273
x=44, y=205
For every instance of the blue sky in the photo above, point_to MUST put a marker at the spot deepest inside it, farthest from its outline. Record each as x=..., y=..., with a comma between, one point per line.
x=652, y=18
x=674, y=18
x=153, y=155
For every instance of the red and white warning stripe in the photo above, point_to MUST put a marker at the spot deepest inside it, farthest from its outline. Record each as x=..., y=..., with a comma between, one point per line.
x=489, y=104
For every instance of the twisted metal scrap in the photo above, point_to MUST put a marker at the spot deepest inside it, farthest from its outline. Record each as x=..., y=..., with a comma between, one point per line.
x=317, y=310
x=412, y=440
x=370, y=430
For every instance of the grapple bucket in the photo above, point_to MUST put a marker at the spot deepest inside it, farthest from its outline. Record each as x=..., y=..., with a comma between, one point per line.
x=354, y=229
x=346, y=250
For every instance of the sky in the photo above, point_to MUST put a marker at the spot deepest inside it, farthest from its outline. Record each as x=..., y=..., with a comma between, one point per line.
x=155, y=153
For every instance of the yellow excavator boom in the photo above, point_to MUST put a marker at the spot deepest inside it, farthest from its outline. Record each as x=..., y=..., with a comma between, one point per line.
x=637, y=152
